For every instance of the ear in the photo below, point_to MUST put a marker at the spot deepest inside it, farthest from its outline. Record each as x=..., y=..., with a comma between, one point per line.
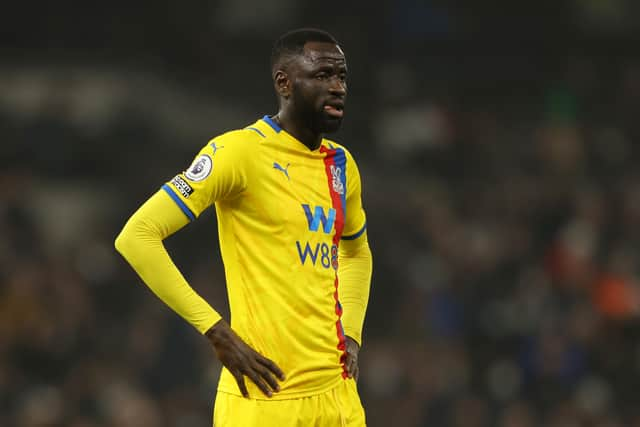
x=282, y=83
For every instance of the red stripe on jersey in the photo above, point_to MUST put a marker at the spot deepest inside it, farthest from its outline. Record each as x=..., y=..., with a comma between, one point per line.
x=337, y=204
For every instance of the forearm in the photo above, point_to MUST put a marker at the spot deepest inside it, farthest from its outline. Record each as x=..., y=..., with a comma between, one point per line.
x=355, y=279
x=140, y=243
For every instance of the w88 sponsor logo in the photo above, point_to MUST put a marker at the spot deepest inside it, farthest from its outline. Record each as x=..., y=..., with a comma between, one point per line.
x=321, y=254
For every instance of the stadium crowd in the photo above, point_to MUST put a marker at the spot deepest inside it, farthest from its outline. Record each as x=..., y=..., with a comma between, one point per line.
x=504, y=221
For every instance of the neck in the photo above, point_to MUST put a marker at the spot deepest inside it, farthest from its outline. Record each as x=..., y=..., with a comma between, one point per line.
x=296, y=128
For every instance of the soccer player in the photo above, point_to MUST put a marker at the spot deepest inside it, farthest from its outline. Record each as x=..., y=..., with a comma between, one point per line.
x=294, y=245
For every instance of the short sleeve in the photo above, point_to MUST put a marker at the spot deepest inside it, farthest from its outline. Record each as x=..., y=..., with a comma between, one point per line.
x=355, y=220
x=218, y=172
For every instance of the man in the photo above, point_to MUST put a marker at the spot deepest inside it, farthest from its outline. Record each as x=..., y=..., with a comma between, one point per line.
x=293, y=240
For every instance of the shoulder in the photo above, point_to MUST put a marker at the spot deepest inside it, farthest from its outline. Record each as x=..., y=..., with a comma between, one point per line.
x=238, y=143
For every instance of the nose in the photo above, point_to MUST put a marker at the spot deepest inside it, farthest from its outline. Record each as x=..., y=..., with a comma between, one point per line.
x=338, y=87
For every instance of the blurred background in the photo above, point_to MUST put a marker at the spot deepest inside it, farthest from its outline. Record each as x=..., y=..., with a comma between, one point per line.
x=498, y=145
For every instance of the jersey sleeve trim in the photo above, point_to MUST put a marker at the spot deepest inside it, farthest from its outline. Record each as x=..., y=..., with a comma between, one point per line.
x=179, y=202
x=356, y=235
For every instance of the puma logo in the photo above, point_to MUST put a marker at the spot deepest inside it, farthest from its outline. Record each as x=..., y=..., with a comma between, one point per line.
x=215, y=147
x=281, y=169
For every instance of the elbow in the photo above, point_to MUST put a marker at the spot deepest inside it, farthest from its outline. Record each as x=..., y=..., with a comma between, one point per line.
x=120, y=243
x=123, y=243
x=134, y=239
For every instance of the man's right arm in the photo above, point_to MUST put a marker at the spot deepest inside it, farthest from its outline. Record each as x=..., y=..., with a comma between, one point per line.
x=177, y=203
x=140, y=243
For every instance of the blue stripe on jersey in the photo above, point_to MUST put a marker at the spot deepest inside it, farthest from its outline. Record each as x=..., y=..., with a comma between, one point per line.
x=271, y=123
x=355, y=236
x=257, y=130
x=179, y=202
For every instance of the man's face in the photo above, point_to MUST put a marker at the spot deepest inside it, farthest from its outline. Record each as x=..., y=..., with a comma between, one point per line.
x=319, y=86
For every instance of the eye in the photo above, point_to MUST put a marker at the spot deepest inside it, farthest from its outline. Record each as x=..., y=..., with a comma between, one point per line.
x=343, y=77
x=322, y=75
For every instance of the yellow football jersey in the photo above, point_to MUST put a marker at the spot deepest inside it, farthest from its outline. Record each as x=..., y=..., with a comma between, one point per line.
x=282, y=210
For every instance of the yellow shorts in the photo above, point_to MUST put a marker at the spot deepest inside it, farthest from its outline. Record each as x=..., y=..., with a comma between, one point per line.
x=338, y=407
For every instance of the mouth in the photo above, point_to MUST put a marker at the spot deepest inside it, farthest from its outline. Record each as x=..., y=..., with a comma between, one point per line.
x=334, y=109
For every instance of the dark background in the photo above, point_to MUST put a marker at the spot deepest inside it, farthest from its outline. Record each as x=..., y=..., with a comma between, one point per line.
x=498, y=146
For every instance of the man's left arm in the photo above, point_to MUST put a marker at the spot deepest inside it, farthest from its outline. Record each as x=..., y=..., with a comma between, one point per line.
x=355, y=266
